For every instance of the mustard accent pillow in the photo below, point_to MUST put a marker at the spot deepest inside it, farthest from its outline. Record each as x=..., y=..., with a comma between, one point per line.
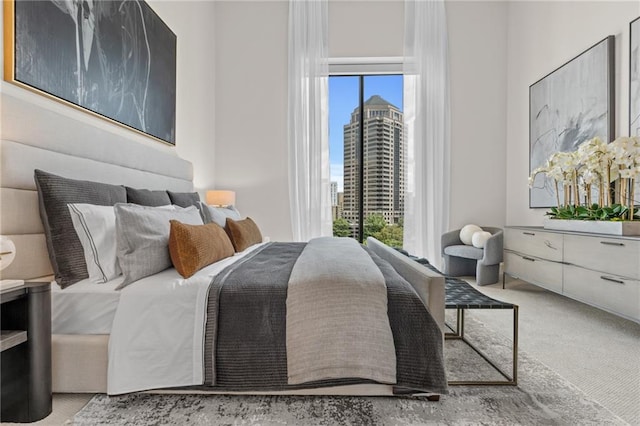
x=243, y=233
x=192, y=247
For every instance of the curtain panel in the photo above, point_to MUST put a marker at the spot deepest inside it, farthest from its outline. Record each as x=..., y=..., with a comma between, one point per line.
x=308, y=134
x=427, y=128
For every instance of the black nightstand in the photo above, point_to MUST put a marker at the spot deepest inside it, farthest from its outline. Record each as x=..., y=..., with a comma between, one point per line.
x=25, y=342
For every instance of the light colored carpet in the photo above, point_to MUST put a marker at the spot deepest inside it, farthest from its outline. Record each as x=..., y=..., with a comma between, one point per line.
x=597, y=351
x=541, y=398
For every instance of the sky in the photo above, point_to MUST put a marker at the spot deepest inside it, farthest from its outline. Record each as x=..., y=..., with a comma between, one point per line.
x=343, y=99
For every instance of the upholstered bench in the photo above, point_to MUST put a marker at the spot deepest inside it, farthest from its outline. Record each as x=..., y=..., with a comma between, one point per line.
x=460, y=295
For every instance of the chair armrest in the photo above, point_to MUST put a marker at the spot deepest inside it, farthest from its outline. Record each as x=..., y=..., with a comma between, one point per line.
x=451, y=238
x=493, y=249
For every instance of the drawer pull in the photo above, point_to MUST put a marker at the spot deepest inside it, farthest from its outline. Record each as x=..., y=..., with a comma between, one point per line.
x=609, y=243
x=613, y=280
x=529, y=233
x=531, y=259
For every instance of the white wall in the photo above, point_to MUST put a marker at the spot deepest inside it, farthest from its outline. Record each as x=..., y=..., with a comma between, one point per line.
x=478, y=61
x=366, y=29
x=191, y=22
x=251, y=111
x=541, y=37
x=251, y=100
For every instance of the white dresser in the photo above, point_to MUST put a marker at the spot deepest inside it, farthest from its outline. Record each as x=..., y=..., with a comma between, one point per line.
x=601, y=270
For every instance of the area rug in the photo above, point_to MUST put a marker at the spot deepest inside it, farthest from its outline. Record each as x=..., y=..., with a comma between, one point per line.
x=542, y=397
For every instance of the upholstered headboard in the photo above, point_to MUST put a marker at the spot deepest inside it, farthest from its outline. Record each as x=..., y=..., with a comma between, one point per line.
x=37, y=137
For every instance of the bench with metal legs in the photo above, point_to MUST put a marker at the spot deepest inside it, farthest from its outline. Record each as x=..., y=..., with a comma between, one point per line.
x=458, y=333
x=461, y=295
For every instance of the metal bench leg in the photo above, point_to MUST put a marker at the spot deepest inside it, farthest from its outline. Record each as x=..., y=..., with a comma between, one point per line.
x=510, y=380
x=458, y=332
x=515, y=344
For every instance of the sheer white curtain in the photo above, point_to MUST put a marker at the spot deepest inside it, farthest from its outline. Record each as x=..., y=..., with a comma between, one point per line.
x=309, y=170
x=427, y=127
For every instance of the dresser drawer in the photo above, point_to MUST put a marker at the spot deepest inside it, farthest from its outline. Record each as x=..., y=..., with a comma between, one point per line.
x=536, y=243
x=534, y=270
x=610, y=255
x=610, y=292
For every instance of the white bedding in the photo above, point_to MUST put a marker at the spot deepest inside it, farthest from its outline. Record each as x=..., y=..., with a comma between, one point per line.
x=157, y=333
x=84, y=308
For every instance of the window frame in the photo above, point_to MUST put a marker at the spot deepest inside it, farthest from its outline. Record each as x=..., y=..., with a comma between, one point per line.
x=362, y=67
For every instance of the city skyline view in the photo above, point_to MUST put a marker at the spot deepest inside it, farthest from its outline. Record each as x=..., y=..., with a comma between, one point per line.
x=383, y=157
x=343, y=99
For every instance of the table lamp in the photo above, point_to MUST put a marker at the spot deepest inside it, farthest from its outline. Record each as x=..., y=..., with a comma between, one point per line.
x=221, y=198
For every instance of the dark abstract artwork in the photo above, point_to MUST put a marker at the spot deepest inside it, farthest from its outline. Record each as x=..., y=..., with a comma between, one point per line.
x=115, y=58
x=569, y=106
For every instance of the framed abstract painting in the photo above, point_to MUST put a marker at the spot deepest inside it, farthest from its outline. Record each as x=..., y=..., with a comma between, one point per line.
x=113, y=58
x=570, y=105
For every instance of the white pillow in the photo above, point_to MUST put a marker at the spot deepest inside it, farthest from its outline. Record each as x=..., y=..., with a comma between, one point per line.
x=466, y=233
x=143, y=238
x=96, y=229
x=479, y=239
x=219, y=215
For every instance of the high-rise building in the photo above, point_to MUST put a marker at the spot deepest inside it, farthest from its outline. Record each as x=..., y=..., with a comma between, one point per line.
x=383, y=159
x=336, y=210
x=334, y=193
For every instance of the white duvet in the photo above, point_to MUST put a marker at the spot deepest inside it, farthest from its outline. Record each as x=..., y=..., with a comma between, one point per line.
x=157, y=333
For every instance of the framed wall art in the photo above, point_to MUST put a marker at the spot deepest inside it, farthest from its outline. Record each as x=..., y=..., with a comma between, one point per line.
x=634, y=78
x=114, y=58
x=570, y=105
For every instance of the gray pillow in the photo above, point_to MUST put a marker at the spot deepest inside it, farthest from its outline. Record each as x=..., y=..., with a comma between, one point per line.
x=142, y=235
x=184, y=199
x=219, y=215
x=146, y=197
x=54, y=193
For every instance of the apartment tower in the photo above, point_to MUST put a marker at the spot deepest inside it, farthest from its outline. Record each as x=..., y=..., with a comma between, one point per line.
x=384, y=162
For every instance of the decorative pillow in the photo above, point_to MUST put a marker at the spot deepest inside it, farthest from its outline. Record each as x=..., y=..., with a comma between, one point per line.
x=243, y=233
x=219, y=215
x=184, y=199
x=192, y=247
x=142, y=235
x=480, y=238
x=146, y=197
x=96, y=229
x=54, y=193
x=467, y=232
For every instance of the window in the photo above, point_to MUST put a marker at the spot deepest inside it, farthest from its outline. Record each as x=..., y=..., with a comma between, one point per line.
x=367, y=156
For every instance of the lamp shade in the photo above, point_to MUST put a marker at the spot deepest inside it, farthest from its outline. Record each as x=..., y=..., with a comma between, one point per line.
x=7, y=252
x=221, y=198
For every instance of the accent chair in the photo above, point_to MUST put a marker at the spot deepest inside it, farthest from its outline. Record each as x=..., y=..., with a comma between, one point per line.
x=461, y=259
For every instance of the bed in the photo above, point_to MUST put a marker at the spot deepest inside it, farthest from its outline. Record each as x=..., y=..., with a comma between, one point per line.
x=80, y=345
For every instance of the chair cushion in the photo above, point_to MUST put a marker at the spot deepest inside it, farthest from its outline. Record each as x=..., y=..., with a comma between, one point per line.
x=468, y=252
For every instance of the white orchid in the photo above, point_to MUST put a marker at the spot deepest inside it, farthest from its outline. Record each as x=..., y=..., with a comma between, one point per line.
x=590, y=177
x=534, y=173
x=595, y=163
